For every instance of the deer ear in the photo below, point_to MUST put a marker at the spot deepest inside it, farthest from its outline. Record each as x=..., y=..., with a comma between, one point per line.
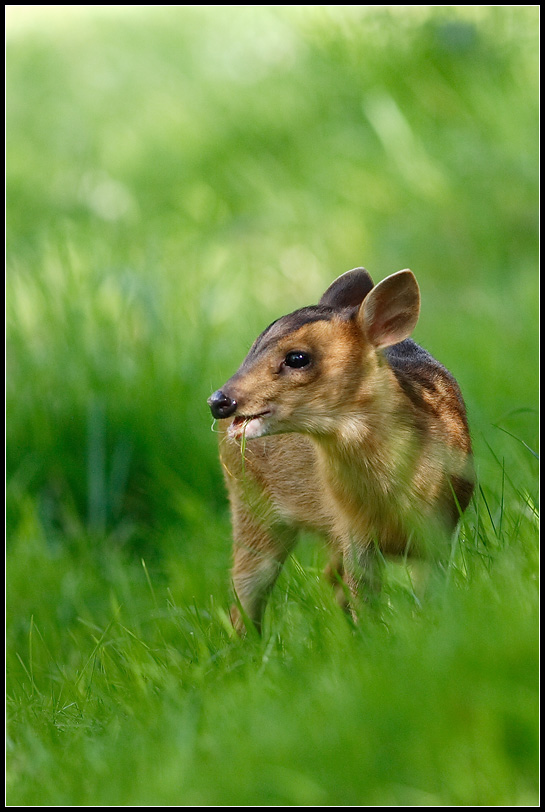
x=390, y=312
x=348, y=290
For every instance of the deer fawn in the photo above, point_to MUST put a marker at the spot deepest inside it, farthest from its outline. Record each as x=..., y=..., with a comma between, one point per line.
x=354, y=431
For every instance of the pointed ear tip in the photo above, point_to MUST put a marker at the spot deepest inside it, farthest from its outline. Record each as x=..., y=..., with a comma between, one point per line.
x=409, y=276
x=348, y=289
x=356, y=271
x=405, y=277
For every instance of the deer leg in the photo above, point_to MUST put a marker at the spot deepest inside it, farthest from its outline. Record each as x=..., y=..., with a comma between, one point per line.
x=334, y=574
x=258, y=557
x=363, y=569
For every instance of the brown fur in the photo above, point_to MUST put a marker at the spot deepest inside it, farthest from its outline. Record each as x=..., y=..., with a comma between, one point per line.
x=368, y=444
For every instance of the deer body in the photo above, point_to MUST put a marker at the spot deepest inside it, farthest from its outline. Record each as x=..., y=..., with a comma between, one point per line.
x=344, y=425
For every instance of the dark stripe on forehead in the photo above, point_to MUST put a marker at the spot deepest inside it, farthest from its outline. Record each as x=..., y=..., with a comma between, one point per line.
x=289, y=324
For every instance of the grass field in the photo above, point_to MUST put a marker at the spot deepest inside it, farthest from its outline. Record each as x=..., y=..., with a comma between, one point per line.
x=177, y=178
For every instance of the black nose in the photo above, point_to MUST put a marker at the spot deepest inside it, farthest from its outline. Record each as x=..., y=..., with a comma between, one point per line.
x=221, y=405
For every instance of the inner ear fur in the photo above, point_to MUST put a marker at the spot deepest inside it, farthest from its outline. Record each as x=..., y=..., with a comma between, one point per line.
x=390, y=312
x=348, y=290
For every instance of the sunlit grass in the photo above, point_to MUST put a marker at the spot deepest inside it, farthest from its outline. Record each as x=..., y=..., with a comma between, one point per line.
x=177, y=179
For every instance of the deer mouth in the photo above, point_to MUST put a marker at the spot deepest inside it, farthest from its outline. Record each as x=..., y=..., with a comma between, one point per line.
x=248, y=427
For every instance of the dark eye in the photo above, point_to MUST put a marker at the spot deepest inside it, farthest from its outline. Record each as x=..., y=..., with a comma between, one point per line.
x=297, y=359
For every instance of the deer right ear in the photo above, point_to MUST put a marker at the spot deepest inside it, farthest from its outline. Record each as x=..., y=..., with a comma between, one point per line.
x=390, y=312
x=348, y=290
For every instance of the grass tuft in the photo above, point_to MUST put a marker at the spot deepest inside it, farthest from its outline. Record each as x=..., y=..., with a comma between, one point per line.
x=177, y=178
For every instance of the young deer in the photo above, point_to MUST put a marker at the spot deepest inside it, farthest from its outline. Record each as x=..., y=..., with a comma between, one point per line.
x=355, y=431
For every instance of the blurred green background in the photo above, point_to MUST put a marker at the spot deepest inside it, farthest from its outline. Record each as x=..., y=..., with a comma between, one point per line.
x=177, y=178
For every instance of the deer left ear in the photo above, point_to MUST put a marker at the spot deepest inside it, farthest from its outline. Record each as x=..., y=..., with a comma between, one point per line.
x=348, y=290
x=390, y=312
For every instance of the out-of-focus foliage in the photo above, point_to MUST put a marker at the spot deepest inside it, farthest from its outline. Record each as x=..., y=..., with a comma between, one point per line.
x=177, y=178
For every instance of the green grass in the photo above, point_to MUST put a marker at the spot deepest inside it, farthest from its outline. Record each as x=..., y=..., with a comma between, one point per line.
x=177, y=178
